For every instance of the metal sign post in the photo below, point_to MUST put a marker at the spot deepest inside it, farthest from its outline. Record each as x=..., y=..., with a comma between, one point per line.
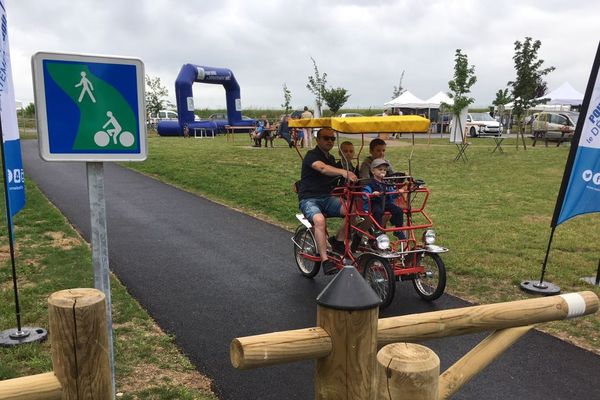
x=91, y=108
x=99, y=238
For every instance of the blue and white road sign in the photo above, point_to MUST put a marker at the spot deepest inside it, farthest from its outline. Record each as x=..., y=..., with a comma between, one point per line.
x=89, y=108
x=15, y=179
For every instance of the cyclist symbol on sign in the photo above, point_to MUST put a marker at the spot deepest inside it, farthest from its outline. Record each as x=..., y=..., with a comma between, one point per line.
x=87, y=88
x=102, y=138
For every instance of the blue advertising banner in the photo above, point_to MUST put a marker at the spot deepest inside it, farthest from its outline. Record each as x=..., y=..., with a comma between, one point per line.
x=13, y=174
x=580, y=189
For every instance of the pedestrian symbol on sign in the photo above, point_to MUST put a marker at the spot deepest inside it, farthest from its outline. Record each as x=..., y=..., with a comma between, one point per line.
x=87, y=87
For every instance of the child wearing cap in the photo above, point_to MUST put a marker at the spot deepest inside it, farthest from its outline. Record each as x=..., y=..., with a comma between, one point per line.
x=380, y=201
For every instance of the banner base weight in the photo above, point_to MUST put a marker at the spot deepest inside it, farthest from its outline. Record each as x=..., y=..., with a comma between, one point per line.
x=536, y=287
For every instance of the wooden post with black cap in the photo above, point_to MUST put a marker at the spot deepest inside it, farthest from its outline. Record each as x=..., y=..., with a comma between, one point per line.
x=348, y=311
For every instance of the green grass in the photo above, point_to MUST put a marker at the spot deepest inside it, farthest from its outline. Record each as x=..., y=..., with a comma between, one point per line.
x=51, y=256
x=493, y=212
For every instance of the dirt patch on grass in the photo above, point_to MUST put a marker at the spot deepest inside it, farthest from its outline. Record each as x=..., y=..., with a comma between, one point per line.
x=5, y=253
x=147, y=376
x=536, y=219
x=22, y=283
x=59, y=241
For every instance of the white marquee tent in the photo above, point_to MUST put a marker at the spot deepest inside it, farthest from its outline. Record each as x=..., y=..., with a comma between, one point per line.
x=436, y=100
x=564, y=95
x=407, y=100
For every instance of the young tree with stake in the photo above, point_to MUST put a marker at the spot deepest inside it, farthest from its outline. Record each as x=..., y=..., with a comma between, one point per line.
x=529, y=81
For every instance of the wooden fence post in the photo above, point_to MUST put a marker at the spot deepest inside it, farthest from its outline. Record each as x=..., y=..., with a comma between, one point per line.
x=79, y=341
x=407, y=371
x=348, y=310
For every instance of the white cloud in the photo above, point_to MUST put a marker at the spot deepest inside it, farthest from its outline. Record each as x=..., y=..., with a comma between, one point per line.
x=363, y=46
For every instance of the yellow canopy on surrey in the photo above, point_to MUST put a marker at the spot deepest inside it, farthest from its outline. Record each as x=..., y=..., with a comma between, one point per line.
x=383, y=124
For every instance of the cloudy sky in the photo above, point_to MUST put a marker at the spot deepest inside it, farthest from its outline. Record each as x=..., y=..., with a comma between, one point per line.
x=363, y=46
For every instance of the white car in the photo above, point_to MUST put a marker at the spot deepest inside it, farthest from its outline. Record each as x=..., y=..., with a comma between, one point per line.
x=481, y=124
x=162, y=115
x=346, y=115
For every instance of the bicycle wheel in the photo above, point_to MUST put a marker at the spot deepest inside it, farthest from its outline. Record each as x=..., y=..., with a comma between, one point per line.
x=431, y=283
x=305, y=245
x=379, y=275
x=126, y=139
x=101, y=139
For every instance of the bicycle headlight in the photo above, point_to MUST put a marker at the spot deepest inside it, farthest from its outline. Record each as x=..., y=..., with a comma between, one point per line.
x=383, y=242
x=429, y=236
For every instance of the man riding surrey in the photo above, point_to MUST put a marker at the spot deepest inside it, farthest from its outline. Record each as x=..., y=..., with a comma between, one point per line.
x=314, y=194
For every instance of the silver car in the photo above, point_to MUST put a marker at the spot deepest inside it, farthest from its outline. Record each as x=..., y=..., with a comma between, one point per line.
x=554, y=123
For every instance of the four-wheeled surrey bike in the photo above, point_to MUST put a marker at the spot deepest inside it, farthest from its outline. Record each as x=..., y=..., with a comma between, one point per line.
x=367, y=246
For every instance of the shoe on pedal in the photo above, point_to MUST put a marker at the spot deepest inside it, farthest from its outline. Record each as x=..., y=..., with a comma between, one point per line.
x=337, y=246
x=328, y=267
x=400, y=235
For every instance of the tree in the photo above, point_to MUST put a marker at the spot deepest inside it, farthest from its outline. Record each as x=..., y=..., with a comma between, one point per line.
x=541, y=88
x=502, y=98
x=287, y=99
x=529, y=82
x=29, y=111
x=460, y=86
x=335, y=98
x=398, y=90
x=316, y=84
x=155, y=95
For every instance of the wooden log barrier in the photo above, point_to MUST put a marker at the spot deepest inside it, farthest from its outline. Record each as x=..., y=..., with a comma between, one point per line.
x=348, y=371
x=490, y=317
x=417, y=327
x=279, y=348
x=407, y=371
x=34, y=387
x=477, y=359
x=348, y=309
x=79, y=341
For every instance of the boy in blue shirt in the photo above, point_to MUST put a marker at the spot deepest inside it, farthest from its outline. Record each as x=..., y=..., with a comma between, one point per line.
x=380, y=201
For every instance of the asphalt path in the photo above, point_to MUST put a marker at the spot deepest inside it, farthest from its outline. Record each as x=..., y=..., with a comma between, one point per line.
x=208, y=274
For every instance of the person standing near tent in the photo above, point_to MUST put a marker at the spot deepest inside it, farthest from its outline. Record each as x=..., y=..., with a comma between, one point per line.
x=307, y=131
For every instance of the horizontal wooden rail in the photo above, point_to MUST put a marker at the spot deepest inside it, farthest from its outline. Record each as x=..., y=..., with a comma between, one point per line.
x=310, y=343
x=279, y=348
x=34, y=387
x=489, y=317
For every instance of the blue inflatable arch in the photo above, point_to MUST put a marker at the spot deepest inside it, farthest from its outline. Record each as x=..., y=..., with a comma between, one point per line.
x=189, y=74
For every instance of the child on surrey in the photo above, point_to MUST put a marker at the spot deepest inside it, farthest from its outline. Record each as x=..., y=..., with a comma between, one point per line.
x=346, y=157
x=377, y=150
x=380, y=201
